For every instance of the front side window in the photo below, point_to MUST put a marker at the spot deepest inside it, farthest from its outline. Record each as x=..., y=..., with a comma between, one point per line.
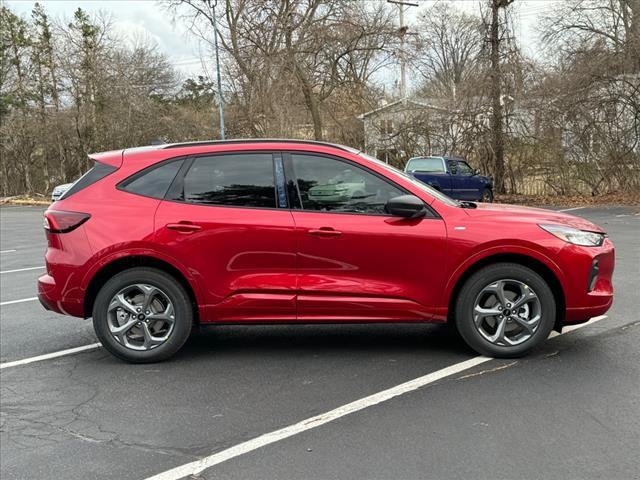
x=416, y=183
x=464, y=169
x=330, y=185
x=240, y=180
x=155, y=181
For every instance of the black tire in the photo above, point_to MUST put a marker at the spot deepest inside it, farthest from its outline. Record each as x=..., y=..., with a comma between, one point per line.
x=487, y=196
x=183, y=312
x=465, y=303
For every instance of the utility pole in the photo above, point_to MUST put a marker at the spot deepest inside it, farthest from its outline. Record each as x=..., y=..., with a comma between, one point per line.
x=402, y=31
x=215, y=43
x=497, y=138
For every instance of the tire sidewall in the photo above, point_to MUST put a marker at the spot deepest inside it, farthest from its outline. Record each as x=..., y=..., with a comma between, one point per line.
x=161, y=280
x=466, y=303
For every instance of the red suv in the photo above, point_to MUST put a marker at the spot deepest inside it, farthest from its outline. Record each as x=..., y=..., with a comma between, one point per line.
x=156, y=239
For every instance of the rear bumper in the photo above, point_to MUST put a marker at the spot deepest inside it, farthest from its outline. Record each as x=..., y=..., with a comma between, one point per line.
x=51, y=298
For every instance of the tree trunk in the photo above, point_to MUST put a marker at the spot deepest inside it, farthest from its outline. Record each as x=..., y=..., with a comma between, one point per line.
x=497, y=140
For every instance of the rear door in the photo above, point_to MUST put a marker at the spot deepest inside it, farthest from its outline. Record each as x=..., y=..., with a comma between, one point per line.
x=223, y=220
x=356, y=262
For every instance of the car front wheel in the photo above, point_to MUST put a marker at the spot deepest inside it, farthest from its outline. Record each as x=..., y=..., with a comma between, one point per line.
x=504, y=310
x=142, y=315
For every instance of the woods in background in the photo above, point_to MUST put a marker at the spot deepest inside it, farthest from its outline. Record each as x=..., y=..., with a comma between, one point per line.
x=309, y=68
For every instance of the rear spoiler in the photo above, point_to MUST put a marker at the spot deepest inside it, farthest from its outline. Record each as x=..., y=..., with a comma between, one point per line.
x=112, y=158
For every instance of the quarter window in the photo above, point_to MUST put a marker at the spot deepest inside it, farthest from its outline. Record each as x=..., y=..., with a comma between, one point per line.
x=96, y=173
x=155, y=182
x=330, y=185
x=241, y=180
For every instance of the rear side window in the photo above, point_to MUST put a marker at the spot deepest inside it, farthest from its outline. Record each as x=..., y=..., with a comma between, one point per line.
x=155, y=181
x=95, y=173
x=433, y=165
x=239, y=180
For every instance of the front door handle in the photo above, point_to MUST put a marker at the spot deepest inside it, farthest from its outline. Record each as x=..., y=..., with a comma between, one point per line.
x=324, y=232
x=184, y=227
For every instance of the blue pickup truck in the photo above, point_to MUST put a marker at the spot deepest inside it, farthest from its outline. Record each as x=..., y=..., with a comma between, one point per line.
x=452, y=176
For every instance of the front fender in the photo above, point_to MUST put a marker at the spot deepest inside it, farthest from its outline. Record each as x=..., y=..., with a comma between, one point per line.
x=487, y=251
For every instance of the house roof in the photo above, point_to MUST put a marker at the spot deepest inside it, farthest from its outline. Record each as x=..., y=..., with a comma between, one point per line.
x=403, y=101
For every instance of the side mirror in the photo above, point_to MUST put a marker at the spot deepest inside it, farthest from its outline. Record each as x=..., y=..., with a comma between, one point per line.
x=406, y=206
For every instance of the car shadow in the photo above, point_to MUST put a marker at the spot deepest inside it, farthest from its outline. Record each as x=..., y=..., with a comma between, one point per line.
x=355, y=339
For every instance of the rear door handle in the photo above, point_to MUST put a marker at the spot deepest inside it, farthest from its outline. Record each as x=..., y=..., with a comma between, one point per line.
x=324, y=232
x=184, y=227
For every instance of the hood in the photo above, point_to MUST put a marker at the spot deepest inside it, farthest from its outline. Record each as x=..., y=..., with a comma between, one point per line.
x=516, y=213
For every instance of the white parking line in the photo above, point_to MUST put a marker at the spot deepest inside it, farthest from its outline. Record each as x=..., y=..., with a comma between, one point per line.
x=23, y=269
x=49, y=356
x=198, y=466
x=571, y=209
x=8, y=251
x=22, y=300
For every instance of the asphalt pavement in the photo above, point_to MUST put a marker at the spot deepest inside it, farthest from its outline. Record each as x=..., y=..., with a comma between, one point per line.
x=571, y=410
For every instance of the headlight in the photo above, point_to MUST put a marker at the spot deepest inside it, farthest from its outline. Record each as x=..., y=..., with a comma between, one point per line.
x=575, y=236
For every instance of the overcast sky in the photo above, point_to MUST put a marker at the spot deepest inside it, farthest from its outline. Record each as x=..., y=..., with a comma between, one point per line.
x=149, y=18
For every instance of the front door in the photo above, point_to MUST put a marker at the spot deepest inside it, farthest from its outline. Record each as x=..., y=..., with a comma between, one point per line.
x=223, y=224
x=355, y=262
x=465, y=183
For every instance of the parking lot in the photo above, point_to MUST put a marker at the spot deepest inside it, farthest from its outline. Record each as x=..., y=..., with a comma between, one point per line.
x=237, y=399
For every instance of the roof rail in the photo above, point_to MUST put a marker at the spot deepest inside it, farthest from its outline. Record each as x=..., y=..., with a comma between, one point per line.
x=259, y=140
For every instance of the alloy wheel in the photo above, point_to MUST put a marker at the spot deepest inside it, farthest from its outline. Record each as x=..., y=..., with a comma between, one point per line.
x=141, y=317
x=507, y=312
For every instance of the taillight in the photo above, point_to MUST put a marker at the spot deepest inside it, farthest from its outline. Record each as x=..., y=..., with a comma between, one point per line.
x=56, y=221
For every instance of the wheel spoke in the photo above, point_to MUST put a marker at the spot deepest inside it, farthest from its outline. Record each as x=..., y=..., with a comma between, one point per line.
x=119, y=301
x=529, y=325
x=480, y=313
x=150, y=293
x=498, y=289
x=498, y=337
x=527, y=296
x=150, y=340
x=121, y=331
x=168, y=314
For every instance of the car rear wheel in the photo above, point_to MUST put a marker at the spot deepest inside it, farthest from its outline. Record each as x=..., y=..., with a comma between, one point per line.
x=487, y=196
x=504, y=310
x=142, y=315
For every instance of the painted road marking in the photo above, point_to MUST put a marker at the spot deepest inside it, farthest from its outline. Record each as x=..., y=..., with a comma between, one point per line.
x=198, y=466
x=8, y=251
x=571, y=209
x=22, y=300
x=48, y=356
x=23, y=269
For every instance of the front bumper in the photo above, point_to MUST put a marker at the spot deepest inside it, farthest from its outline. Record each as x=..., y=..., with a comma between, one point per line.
x=588, y=296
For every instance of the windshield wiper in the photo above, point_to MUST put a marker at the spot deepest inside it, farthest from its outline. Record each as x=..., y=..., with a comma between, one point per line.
x=465, y=204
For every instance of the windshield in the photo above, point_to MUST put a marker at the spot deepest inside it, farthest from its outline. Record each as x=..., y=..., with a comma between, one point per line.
x=422, y=186
x=435, y=165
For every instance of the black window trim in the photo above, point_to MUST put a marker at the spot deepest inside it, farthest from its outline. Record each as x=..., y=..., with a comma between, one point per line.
x=84, y=181
x=287, y=155
x=178, y=183
x=122, y=184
